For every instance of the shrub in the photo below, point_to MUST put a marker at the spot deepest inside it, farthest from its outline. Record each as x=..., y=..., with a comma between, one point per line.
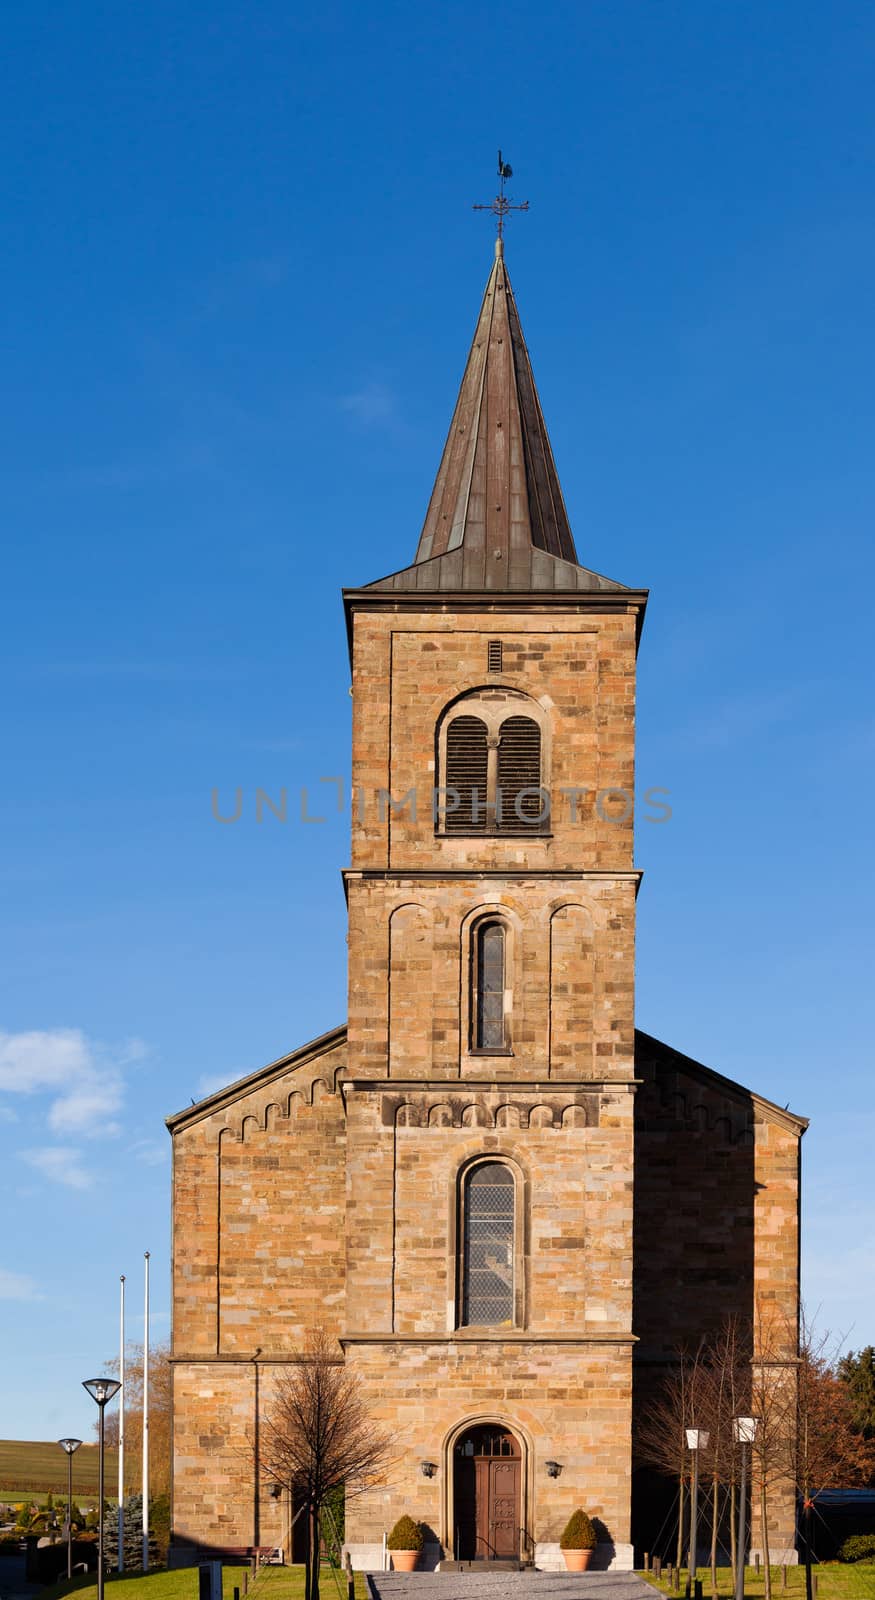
x=406, y=1535
x=579, y=1533
x=860, y=1547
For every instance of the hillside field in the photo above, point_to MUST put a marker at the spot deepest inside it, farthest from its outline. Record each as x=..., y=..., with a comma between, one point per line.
x=36, y=1467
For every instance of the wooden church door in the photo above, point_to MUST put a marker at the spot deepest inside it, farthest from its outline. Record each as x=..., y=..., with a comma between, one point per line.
x=487, y=1496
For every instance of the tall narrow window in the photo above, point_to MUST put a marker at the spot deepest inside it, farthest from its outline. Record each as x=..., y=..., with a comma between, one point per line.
x=519, y=772
x=467, y=768
x=487, y=1271
x=489, y=984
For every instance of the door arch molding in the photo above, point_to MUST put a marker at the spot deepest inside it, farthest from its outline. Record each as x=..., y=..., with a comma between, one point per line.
x=480, y=1419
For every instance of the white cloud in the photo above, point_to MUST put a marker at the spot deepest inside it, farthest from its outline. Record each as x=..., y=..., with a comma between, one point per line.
x=60, y=1164
x=374, y=405
x=208, y=1084
x=17, y=1286
x=84, y=1080
x=151, y=1152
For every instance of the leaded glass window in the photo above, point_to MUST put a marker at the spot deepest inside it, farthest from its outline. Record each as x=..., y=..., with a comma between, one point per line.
x=489, y=1028
x=487, y=1279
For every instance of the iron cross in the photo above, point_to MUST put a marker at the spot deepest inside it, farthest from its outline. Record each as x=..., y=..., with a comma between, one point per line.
x=501, y=206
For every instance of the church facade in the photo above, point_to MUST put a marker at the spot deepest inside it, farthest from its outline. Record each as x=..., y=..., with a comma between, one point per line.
x=507, y=1205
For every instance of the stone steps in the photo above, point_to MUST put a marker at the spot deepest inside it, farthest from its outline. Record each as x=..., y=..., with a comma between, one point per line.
x=522, y=1585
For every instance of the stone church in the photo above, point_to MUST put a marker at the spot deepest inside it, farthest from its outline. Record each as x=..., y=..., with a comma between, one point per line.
x=506, y=1203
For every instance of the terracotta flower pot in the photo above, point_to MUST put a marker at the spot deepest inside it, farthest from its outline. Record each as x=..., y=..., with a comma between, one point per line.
x=577, y=1560
x=404, y=1560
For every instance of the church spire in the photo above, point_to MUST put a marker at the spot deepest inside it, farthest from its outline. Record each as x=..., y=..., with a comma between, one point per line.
x=496, y=519
x=497, y=492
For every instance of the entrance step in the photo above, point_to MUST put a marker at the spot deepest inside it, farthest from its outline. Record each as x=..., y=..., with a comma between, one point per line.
x=483, y=1566
x=502, y=1585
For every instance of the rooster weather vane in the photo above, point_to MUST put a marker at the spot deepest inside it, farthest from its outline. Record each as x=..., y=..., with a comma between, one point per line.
x=501, y=206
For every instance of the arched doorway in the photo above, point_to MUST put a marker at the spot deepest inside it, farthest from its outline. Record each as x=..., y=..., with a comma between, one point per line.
x=487, y=1494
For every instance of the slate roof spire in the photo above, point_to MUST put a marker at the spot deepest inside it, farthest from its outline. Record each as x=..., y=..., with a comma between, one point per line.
x=497, y=519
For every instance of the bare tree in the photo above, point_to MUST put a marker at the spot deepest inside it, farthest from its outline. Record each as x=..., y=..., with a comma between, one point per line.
x=317, y=1434
x=661, y=1439
x=773, y=1391
x=726, y=1385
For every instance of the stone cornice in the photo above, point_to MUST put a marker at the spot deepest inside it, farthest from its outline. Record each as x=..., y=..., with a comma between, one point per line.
x=486, y=1085
x=523, y=1336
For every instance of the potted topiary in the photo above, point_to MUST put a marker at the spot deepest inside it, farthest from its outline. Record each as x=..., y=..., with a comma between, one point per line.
x=578, y=1541
x=405, y=1543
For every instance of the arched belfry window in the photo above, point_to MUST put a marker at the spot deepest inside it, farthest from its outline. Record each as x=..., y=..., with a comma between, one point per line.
x=488, y=1016
x=492, y=765
x=488, y=1246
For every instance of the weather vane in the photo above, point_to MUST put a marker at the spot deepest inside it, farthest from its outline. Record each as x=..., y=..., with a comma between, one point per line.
x=501, y=206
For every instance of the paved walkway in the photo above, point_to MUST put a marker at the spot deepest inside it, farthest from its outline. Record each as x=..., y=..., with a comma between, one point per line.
x=509, y=1586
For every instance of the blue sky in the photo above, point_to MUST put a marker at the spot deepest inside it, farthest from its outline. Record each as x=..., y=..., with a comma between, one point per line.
x=241, y=274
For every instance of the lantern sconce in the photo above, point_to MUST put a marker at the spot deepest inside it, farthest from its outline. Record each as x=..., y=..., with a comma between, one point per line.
x=553, y=1468
x=428, y=1468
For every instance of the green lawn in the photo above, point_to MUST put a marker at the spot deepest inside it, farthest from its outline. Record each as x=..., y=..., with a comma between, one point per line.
x=835, y=1581
x=271, y=1583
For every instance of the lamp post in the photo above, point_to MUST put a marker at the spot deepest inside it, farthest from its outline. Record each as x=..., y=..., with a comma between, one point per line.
x=697, y=1439
x=102, y=1390
x=69, y=1446
x=744, y=1431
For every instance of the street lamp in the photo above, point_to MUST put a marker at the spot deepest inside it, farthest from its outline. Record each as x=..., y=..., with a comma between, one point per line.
x=744, y=1431
x=102, y=1390
x=697, y=1439
x=69, y=1446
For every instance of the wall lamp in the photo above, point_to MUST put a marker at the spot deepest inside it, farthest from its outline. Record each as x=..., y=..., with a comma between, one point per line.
x=428, y=1468
x=553, y=1468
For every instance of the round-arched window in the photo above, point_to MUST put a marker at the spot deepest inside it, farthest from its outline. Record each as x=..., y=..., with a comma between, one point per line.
x=489, y=1206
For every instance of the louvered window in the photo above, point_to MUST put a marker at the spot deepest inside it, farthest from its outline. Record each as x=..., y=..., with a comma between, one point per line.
x=519, y=769
x=467, y=768
x=488, y=1007
x=493, y=655
x=487, y=1273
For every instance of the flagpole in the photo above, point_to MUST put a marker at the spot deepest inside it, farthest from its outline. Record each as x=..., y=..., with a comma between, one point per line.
x=121, y=1428
x=146, y=1424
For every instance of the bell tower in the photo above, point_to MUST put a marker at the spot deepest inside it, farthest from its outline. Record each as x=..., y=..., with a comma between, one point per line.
x=491, y=900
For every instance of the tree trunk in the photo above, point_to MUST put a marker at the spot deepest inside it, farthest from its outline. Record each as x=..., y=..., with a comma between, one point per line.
x=314, y=1553
x=733, y=1533
x=715, y=1518
x=307, y=1559
x=679, y=1558
x=764, y=1529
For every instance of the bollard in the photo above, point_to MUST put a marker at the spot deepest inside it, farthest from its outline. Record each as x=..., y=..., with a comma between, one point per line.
x=756, y=1562
x=236, y=1593
x=350, y=1577
x=657, y=1567
x=814, y=1585
x=784, y=1576
x=246, y=1582
x=697, y=1589
x=647, y=1561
